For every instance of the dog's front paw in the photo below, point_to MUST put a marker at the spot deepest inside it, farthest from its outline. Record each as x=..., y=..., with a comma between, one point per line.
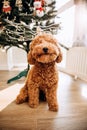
x=53, y=108
x=33, y=105
x=19, y=99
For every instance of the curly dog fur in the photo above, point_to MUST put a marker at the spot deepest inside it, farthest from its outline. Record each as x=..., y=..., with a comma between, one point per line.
x=43, y=75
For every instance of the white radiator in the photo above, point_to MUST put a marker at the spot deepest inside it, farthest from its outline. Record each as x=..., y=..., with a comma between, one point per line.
x=76, y=62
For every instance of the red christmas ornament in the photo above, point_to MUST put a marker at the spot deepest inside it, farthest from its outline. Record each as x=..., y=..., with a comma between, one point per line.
x=6, y=6
x=39, y=11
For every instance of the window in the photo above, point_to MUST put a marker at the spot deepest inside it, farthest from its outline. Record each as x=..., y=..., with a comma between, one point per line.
x=65, y=35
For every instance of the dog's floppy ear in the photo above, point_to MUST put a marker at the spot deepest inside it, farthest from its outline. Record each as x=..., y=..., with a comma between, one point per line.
x=30, y=59
x=59, y=58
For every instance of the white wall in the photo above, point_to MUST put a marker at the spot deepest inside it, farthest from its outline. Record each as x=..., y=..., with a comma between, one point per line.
x=66, y=34
x=3, y=61
x=19, y=57
x=6, y=61
x=14, y=57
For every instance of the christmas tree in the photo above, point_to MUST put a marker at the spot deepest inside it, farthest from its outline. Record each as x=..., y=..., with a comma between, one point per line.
x=19, y=20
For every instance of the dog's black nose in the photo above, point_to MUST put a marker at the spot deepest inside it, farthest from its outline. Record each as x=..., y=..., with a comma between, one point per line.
x=45, y=49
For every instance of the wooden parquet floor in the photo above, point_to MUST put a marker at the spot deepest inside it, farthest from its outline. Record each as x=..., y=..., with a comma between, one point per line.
x=72, y=114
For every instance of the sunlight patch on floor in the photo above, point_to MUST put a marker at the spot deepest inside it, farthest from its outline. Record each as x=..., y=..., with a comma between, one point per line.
x=8, y=95
x=84, y=91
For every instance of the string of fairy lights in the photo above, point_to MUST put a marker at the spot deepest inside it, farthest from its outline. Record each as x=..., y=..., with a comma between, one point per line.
x=20, y=26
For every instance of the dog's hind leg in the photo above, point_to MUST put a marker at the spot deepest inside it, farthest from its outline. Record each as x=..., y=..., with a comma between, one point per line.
x=23, y=95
